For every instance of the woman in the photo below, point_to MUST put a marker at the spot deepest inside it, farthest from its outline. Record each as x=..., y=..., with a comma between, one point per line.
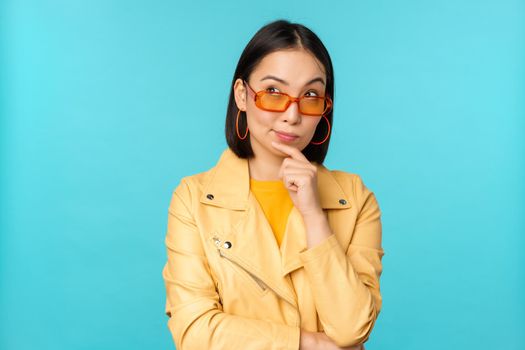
x=269, y=249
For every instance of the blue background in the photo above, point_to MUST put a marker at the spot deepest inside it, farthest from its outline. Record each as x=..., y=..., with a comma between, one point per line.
x=105, y=105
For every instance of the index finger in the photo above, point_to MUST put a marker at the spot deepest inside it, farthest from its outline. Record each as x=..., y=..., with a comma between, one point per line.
x=292, y=151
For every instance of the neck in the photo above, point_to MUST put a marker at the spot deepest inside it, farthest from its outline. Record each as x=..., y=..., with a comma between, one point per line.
x=265, y=165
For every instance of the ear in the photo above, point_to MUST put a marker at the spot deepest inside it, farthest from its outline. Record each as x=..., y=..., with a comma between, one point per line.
x=240, y=94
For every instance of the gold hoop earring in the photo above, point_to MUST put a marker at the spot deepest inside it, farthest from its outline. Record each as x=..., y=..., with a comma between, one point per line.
x=237, y=126
x=327, y=134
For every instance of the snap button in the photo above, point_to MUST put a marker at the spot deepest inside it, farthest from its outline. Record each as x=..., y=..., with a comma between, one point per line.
x=227, y=245
x=209, y=196
x=342, y=201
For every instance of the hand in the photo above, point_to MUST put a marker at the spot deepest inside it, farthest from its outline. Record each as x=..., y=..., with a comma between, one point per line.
x=326, y=343
x=300, y=178
x=320, y=341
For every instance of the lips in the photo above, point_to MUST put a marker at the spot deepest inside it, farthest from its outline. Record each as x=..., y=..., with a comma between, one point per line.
x=286, y=134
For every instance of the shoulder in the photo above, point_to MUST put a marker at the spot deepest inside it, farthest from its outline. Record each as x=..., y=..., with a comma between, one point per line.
x=189, y=188
x=352, y=185
x=348, y=180
x=351, y=179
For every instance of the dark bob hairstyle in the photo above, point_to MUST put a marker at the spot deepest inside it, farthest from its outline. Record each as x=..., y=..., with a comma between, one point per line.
x=279, y=35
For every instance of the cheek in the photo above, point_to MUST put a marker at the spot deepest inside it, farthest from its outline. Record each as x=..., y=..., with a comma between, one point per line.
x=312, y=124
x=260, y=119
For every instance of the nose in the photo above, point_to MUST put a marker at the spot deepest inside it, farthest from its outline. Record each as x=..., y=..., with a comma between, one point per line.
x=292, y=114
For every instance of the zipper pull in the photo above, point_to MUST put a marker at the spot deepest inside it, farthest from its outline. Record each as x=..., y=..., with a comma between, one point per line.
x=217, y=241
x=225, y=245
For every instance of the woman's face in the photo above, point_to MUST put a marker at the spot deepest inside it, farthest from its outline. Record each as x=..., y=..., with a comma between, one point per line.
x=291, y=72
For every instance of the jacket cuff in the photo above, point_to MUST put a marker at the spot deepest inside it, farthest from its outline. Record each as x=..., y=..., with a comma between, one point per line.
x=319, y=250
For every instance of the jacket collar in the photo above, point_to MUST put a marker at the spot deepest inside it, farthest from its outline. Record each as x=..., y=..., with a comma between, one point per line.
x=229, y=184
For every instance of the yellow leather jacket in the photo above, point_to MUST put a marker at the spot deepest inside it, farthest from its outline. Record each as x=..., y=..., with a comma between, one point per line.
x=230, y=286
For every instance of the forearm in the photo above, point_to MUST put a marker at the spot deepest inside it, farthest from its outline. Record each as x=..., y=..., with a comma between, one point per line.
x=215, y=329
x=334, y=281
x=317, y=229
x=336, y=286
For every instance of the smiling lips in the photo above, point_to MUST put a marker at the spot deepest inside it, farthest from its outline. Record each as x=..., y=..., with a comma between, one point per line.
x=284, y=136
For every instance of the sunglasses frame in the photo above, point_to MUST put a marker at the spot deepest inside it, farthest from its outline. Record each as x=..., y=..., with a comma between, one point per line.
x=259, y=94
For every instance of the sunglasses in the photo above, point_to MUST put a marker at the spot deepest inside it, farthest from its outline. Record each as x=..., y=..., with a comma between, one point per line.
x=280, y=101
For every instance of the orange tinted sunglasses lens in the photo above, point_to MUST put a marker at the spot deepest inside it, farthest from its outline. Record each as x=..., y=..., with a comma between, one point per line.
x=275, y=102
x=313, y=105
x=279, y=102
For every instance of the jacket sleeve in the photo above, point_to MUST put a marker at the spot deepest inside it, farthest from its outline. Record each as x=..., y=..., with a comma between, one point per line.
x=345, y=284
x=197, y=320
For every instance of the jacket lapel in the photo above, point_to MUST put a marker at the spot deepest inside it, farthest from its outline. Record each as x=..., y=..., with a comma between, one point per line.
x=253, y=243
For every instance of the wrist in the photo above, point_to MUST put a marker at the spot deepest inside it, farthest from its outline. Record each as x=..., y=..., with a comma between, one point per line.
x=315, y=218
x=317, y=229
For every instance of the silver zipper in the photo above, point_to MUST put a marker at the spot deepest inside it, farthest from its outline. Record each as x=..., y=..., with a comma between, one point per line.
x=260, y=283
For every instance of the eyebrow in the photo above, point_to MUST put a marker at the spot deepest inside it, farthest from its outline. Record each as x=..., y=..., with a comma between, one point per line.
x=286, y=83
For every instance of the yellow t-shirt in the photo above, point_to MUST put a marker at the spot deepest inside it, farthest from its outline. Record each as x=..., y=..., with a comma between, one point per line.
x=275, y=202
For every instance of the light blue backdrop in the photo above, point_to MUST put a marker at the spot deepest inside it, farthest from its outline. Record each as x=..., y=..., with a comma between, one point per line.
x=105, y=105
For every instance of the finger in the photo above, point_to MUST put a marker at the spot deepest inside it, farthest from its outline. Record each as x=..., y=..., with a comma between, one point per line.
x=292, y=151
x=297, y=179
x=305, y=176
x=291, y=185
x=290, y=164
x=294, y=163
